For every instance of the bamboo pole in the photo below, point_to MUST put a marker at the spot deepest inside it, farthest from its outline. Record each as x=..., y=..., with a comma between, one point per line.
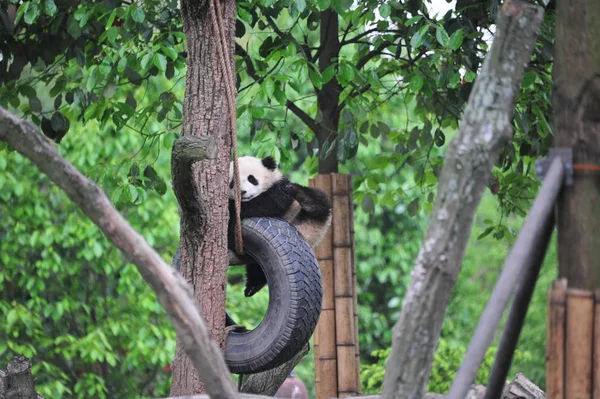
x=555, y=339
x=580, y=330
x=326, y=356
x=316, y=352
x=344, y=298
x=354, y=292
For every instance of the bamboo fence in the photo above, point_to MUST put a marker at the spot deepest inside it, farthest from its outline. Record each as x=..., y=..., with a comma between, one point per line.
x=336, y=350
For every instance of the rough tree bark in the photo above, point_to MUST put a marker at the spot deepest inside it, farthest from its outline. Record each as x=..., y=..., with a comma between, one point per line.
x=268, y=382
x=173, y=293
x=329, y=97
x=484, y=129
x=203, y=245
x=576, y=105
x=16, y=381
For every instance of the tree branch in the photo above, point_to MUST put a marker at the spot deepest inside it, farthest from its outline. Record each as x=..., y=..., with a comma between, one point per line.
x=268, y=382
x=186, y=151
x=471, y=155
x=173, y=293
x=304, y=117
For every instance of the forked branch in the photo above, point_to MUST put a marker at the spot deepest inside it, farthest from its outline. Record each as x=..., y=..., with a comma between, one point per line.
x=173, y=293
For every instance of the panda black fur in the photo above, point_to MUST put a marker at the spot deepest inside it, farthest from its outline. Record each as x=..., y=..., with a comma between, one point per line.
x=266, y=192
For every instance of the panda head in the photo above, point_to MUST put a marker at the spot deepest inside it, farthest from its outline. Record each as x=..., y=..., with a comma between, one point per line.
x=256, y=176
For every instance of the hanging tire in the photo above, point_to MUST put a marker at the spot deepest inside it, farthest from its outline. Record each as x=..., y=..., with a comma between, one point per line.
x=295, y=294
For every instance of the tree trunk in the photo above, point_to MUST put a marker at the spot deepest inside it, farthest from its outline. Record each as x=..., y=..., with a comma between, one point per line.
x=328, y=98
x=576, y=104
x=485, y=127
x=204, y=255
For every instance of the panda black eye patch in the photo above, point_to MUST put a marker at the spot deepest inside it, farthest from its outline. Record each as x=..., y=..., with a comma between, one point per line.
x=231, y=184
x=253, y=180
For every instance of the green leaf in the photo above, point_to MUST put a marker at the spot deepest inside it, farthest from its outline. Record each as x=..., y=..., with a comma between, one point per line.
x=93, y=76
x=32, y=14
x=50, y=7
x=323, y=4
x=529, y=78
x=315, y=78
x=296, y=7
x=486, y=232
x=346, y=71
x=137, y=14
x=413, y=207
x=160, y=61
x=280, y=96
x=146, y=60
x=341, y=6
x=456, y=39
x=78, y=15
x=385, y=10
x=470, y=76
x=412, y=20
x=419, y=38
x=416, y=83
x=35, y=104
x=60, y=123
x=328, y=73
x=111, y=18
x=90, y=111
x=27, y=91
x=110, y=90
x=439, y=138
x=59, y=85
x=122, y=64
x=169, y=52
x=442, y=36
x=351, y=138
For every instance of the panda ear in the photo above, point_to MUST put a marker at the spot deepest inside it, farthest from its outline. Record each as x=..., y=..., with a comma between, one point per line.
x=269, y=163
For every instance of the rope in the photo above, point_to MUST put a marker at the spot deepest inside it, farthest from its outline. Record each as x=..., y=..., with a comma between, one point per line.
x=217, y=22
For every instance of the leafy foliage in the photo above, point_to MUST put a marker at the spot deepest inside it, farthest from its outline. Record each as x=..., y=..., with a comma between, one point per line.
x=69, y=299
x=379, y=93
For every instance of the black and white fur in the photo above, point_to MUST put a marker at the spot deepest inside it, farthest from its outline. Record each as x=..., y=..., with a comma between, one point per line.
x=266, y=192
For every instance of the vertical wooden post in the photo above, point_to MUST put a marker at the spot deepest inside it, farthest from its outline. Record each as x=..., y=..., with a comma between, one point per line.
x=337, y=362
x=575, y=99
x=580, y=330
x=344, y=300
x=325, y=353
x=354, y=292
x=555, y=339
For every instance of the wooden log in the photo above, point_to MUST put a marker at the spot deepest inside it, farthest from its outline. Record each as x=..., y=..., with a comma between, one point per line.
x=580, y=330
x=325, y=356
x=354, y=291
x=344, y=298
x=555, y=339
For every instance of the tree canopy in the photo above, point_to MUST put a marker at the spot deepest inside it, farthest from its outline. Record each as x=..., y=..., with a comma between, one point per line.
x=371, y=88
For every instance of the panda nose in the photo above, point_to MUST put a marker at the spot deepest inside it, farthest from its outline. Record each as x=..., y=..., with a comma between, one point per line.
x=243, y=192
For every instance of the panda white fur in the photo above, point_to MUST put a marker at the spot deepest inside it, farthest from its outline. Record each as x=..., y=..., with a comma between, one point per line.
x=266, y=192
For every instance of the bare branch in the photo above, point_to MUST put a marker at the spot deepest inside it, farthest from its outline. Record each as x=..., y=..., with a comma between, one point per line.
x=173, y=293
x=304, y=117
x=483, y=131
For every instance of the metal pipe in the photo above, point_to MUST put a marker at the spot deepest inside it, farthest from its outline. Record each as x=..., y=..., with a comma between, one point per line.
x=520, y=258
x=516, y=316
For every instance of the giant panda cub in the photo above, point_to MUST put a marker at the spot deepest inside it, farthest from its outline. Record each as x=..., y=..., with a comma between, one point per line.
x=266, y=192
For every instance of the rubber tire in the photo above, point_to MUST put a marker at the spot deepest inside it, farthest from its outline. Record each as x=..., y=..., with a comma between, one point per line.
x=295, y=295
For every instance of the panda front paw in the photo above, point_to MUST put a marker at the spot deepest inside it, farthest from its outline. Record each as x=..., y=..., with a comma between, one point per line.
x=255, y=280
